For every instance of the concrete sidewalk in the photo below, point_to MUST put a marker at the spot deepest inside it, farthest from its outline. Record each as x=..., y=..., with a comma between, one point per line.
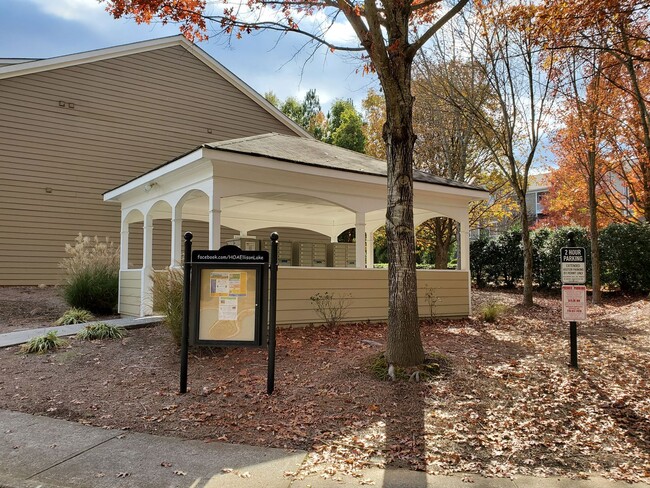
x=22, y=336
x=40, y=452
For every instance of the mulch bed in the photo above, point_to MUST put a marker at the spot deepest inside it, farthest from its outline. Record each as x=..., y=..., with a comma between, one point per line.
x=508, y=405
x=32, y=307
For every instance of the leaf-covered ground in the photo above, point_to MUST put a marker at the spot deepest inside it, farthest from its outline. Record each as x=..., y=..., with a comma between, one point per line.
x=509, y=404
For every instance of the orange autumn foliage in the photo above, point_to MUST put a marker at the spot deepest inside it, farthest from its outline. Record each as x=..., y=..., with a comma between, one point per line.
x=619, y=32
x=187, y=13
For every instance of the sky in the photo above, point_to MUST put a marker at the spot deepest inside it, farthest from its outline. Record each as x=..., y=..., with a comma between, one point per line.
x=266, y=62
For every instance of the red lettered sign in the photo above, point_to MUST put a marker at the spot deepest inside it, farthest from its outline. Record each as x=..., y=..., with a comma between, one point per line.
x=574, y=303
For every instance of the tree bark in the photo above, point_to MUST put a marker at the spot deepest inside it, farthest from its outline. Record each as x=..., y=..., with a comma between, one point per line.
x=403, y=343
x=527, y=246
x=443, y=230
x=596, y=295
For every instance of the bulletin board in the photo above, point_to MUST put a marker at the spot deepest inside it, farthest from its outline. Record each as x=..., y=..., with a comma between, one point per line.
x=229, y=304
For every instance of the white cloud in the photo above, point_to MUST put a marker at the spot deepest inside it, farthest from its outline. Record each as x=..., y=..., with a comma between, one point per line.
x=342, y=34
x=79, y=10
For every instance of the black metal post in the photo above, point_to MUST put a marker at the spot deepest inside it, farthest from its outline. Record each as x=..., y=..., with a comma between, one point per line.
x=273, y=293
x=573, y=326
x=185, y=333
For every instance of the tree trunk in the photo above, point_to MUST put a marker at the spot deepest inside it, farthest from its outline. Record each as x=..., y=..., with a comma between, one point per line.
x=403, y=342
x=527, y=246
x=596, y=296
x=443, y=230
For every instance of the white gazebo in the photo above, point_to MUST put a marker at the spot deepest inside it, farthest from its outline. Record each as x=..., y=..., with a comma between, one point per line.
x=277, y=181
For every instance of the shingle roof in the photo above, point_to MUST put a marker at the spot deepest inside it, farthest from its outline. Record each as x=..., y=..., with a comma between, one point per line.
x=316, y=153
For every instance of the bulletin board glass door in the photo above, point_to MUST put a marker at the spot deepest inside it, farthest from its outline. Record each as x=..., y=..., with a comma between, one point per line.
x=227, y=305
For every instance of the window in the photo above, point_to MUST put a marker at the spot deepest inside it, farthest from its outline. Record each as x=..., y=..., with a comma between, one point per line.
x=539, y=210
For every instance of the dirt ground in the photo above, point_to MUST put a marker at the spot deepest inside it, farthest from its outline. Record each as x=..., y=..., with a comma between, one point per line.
x=509, y=404
x=28, y=307
x=31, y=307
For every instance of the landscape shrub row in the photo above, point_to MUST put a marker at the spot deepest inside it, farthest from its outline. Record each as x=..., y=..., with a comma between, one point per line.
x=624, y=254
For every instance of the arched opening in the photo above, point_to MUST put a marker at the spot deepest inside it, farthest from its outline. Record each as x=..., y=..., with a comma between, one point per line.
x=161, y=214
x=437, y=243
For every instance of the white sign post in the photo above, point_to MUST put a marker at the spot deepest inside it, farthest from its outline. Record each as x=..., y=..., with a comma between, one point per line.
x=574, y=292
x=573, y=272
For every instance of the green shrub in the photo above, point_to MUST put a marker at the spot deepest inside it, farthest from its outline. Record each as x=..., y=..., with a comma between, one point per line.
x=547, y=245
x=480, y=260
x=95, y=290
x=92, y=274
x=42, y=344
x=510, y=257
x=624, y=253
x=100, y=330
x=498, y=260
x=625, y=256
x=74, y=316
x=168, y=300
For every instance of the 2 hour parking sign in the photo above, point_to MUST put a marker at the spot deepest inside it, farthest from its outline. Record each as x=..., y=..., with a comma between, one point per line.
x=573, y=266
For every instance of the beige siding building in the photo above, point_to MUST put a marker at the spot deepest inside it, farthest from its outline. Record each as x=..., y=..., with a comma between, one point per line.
x=74, y=127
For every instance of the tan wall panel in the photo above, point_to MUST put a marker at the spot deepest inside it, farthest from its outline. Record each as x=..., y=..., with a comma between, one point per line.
x=366, y=292
x=130, y=115
x=130, y=283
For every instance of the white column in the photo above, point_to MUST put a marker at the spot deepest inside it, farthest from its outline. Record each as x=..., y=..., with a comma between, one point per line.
x=370, y=250
x=360, y=231
x=463, y=245
x=177, y=236
x=146, y=299
x=124, y=245
x=214, y=241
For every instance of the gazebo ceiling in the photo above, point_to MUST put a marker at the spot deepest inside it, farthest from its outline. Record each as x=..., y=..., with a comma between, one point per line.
x=281, y=206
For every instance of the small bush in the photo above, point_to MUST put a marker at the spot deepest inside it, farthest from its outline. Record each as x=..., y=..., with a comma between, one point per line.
x=92, y=274
x=432, y=300
x=74, y=316
x=492, y=311
x=330, y=308
x=95, y=290
x=42, y=344
x=168, y=300
x=101, y=330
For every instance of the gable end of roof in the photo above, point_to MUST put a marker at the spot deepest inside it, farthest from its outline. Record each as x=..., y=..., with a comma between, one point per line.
x=36, y=66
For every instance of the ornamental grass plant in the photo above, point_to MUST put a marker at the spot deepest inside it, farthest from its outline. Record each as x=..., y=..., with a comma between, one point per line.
x=168, y=300
x=42, y=344
x=74, y=316
x=92, y=274
x=100, y=330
